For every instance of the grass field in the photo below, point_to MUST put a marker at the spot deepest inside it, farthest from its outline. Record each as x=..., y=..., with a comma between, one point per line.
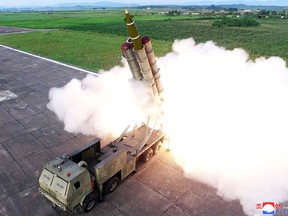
x=92, y=39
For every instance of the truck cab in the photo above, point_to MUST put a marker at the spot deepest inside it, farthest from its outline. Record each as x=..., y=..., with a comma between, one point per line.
x=66, y=182
x=75, y=182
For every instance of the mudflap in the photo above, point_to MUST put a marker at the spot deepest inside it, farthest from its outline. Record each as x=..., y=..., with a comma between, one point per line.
x=78, y=209
x=101, y=197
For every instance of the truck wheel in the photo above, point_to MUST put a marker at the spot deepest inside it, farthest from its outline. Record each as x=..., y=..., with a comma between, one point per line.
x=156, y=147
x=111, y=184
x=89, y=205
x=147, y=155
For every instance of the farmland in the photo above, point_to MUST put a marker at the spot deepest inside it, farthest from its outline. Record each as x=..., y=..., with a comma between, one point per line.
x=92, y=39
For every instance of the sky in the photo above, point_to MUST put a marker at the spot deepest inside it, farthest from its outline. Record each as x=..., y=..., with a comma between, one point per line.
x=21, y=3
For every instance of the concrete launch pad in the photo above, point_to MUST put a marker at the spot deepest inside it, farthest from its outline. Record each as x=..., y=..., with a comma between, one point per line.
x=30, y=135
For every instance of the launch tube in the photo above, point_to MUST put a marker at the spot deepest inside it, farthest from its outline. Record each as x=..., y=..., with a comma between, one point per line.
x=144, y=64
x=146, y=41
x=145, y=58
x=146, y=70
x=128, y=54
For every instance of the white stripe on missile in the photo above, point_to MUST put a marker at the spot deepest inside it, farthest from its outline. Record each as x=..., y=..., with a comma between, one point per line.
x=130, y=23
x=135, y=37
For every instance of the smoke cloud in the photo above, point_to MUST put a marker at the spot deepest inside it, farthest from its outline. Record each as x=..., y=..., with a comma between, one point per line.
x=225, y=115
x=102, y=105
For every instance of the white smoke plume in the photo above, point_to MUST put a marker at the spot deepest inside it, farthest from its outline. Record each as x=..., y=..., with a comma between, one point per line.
x=102, y=105
x=226, y=116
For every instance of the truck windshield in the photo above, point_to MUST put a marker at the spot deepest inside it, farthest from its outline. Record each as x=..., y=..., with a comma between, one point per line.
x=53, y=182
x=59, y=185
x=46, y=177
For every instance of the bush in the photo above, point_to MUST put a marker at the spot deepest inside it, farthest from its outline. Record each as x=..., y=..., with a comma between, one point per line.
x=236, y=22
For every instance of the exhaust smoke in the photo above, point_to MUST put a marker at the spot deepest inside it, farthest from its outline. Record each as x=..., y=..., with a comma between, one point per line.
x=227, y=120
x=226, y=116
x=102, y=105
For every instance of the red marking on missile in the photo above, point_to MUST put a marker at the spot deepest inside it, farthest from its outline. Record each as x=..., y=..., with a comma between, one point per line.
x=145, y=39
x=126, y=46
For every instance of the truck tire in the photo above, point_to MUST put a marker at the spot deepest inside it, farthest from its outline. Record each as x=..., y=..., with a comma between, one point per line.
x=147, y=155
x=156, y=147
x=111, y=185
x=89, y=204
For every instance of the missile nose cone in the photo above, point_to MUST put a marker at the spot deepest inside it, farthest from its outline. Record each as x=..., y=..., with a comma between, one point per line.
x=132, y=31
x=128, y=18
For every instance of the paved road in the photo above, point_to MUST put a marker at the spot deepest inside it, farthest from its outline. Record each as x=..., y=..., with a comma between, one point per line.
x=30, y=135
x=13, y=30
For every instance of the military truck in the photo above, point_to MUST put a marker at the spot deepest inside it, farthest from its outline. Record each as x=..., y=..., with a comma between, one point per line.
x=77, y=181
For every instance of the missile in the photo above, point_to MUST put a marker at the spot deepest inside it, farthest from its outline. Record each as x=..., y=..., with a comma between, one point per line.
x=140, y=56
x=133, y=32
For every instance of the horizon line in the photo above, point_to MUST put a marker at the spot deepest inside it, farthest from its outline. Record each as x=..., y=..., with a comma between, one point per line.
x=138, y=5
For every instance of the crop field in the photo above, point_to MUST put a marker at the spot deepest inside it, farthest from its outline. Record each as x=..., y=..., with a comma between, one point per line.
x=92, y=39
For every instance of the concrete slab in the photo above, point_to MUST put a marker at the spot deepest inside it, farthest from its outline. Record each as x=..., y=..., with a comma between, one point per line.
x=5, y=156
x=175, y=210
x=10, y=130
x=19, y=109
x=41, y=87
x=52, y=135
x=168, y=181
x=3, y=82
x=36, y=98
x=51, y=116
x=30, y=135
x=57, y=82
x=67, y=146
x=27, y=79
x=203, y=200
x=167, y=157
x=135, y=198
x=101, y=209
x=22, y=90
x=12, y=180
x=23, y=145
x=5, y=116
x=10, y=84
x=38, y=121
x=27, y=202
x=33, y=164
x=53, y=75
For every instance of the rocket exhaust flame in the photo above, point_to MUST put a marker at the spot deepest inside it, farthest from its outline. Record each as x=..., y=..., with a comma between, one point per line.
x=225, y=115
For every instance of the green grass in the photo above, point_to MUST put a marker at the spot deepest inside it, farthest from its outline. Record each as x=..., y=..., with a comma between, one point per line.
x=71, y=18
x=56, y=19
x=269, y=39
x=92, y=39
x=93, y=51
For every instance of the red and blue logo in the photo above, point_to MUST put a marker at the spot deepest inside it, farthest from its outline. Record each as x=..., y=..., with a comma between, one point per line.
x=268, y=208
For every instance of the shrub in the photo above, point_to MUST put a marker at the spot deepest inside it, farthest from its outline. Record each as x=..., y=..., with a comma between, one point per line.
x=236, y=22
